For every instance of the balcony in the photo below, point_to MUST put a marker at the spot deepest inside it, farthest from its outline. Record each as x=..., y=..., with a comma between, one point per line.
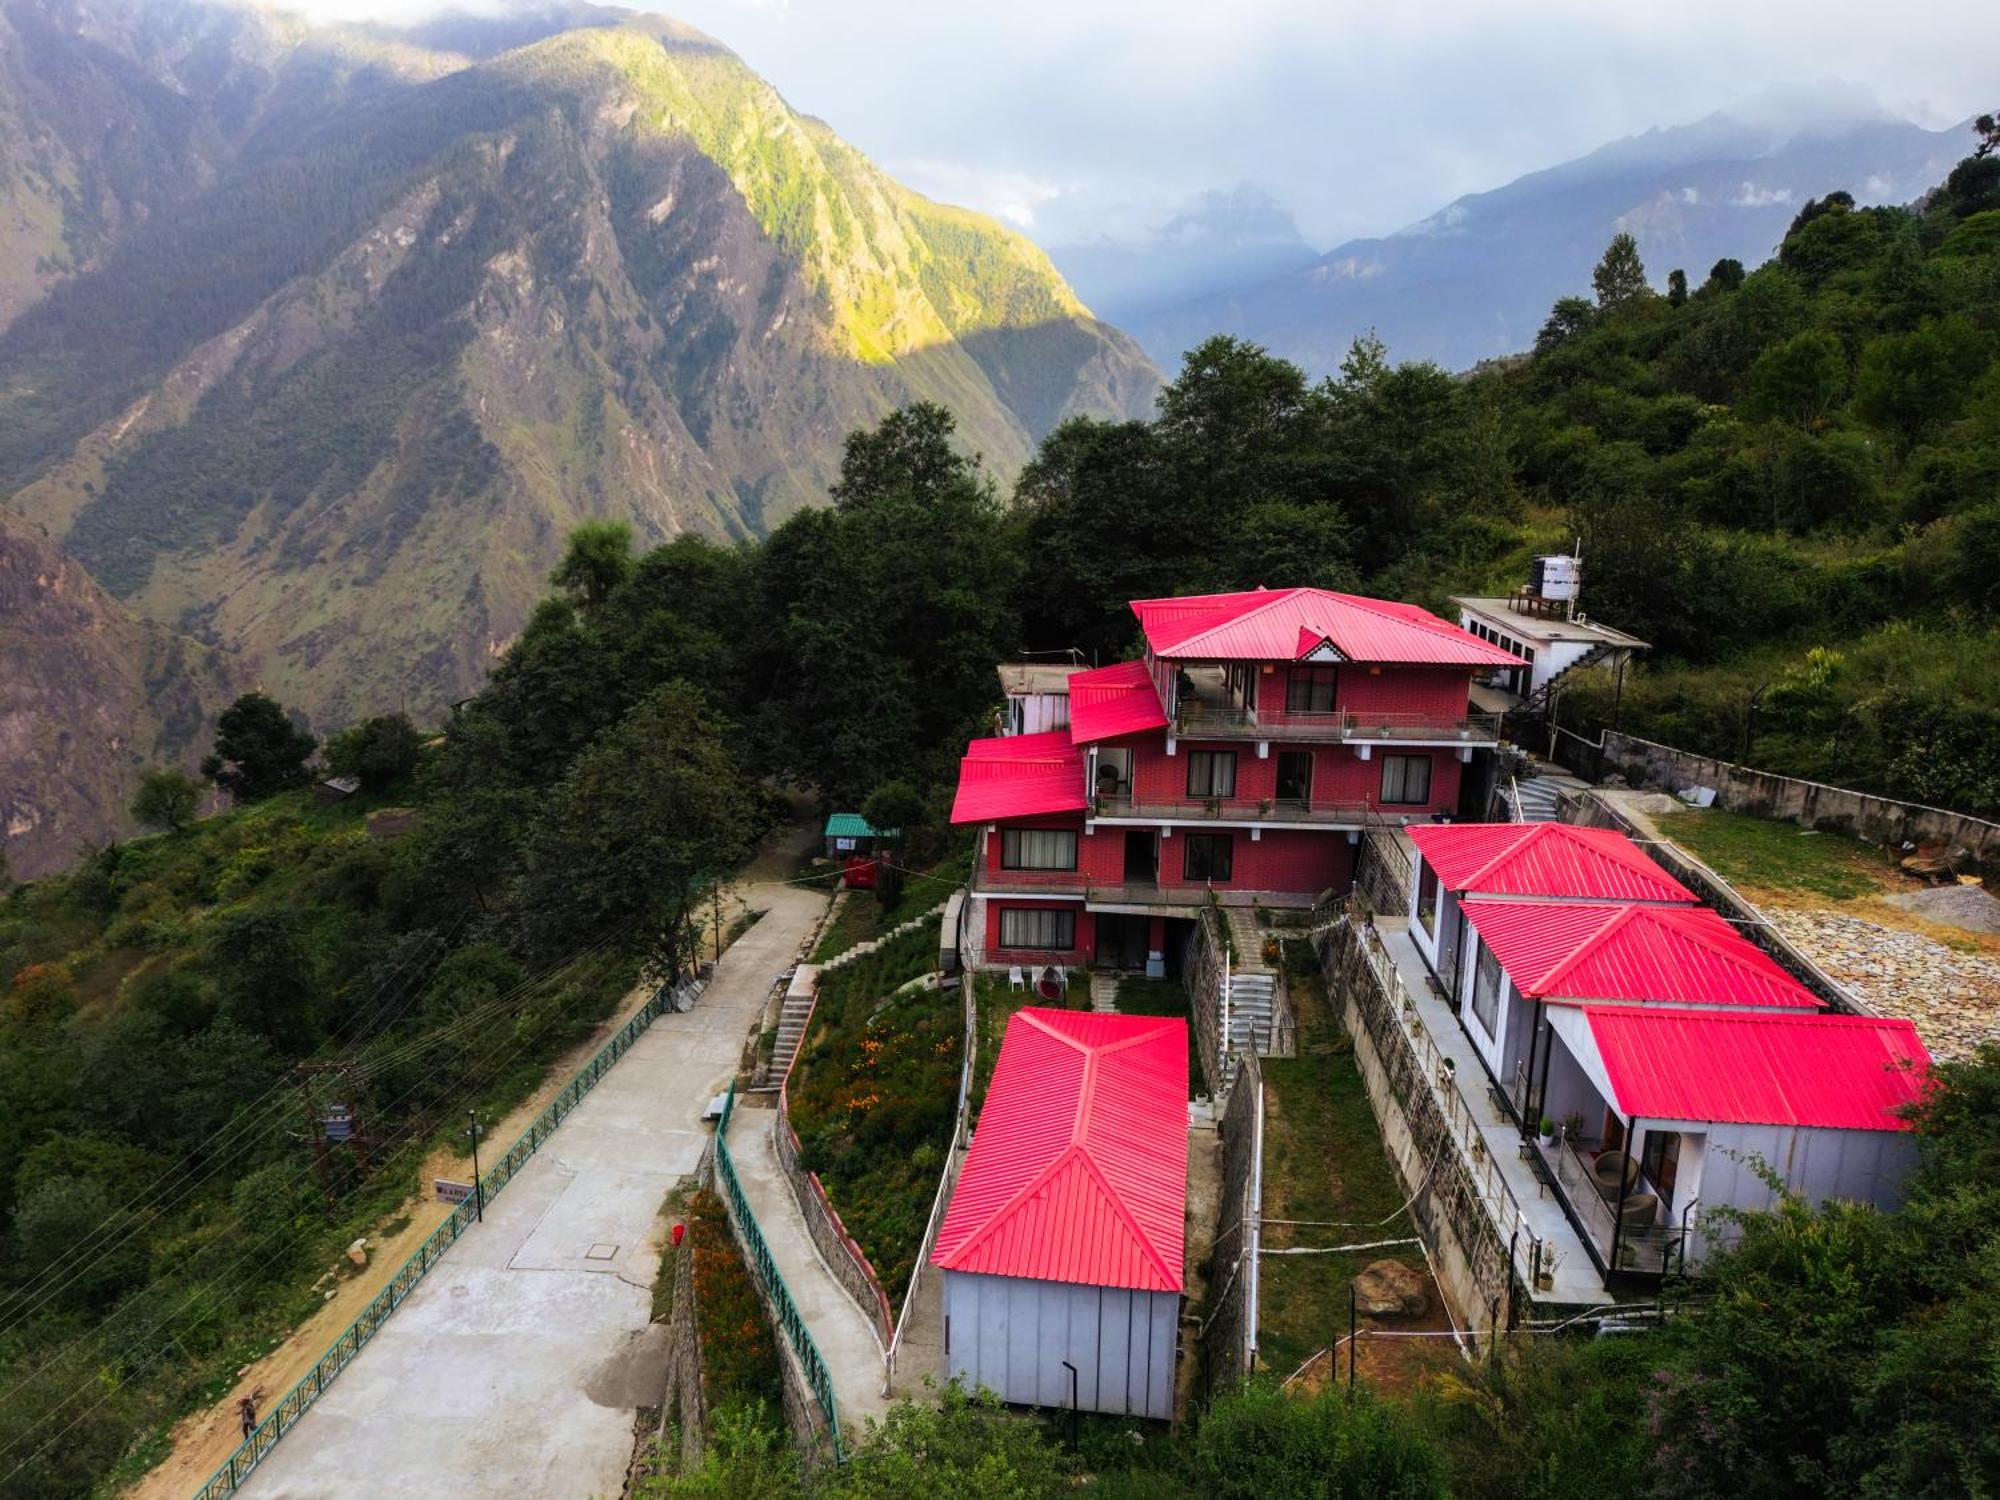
x=1145, y=893
x=1317, y=811
x=1203, y=718
x=1029, y=882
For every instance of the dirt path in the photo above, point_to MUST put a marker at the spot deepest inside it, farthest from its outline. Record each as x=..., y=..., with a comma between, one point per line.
x=203, y=1440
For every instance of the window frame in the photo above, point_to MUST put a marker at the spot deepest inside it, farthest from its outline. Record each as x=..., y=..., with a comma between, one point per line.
x=1484, y=963
x=1209, y=842
x=1312, y=678
x=1405, y=761
x=1059, y=918
x=1428, y=891
x=1012, y=838
x=1210, y=760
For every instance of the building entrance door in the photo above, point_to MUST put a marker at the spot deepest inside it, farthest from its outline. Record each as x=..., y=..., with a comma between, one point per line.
x=1142, y=857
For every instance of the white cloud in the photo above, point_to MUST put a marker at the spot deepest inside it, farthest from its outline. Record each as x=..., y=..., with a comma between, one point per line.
x=1749, y=195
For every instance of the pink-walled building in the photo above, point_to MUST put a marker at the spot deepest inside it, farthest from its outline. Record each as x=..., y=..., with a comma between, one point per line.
x=1244, y=754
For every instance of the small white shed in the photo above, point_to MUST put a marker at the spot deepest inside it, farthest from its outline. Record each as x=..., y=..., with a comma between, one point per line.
x=1063, y=1244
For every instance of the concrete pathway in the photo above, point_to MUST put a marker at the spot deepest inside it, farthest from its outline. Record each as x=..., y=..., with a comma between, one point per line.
x=516, y=1366
x=844, y=1334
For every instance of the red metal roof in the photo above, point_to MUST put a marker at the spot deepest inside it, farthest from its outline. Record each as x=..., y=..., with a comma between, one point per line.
x=1017, y=776
x=1544, y=859
x=1287, y=624
x=1078, y=1170
x=1567, y=950
x=1106, y=702
x=1758, y=1068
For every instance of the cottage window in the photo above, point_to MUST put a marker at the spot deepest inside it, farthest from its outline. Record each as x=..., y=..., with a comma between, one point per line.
x=1406, y=778
x=1210, y=856
x=1486, y=992
x=1661, y=1162
x=1038, y=849
x=1051, y=929
x=1427, y=895
x=1211, y=773
x=1311, y=690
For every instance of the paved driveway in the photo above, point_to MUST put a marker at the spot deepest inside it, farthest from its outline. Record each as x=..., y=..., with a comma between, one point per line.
x=515, y=1367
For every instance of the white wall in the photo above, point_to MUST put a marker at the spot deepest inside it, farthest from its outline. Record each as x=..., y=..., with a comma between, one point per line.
x=1011, y=1335
x=1864, y=1166
x=1032, y=713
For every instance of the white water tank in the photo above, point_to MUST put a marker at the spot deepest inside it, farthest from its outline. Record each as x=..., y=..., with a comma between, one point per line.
x=1556, y=577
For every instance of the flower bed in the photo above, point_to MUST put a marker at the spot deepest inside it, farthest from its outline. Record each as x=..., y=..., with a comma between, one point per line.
x=872, y=1098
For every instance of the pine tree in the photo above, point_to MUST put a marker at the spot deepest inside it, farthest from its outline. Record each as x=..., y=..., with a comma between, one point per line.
x=1621, y=275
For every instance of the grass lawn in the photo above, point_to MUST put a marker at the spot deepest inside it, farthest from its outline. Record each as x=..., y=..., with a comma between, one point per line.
x=997, y=1001
x=1760, y=854
x=1323, y=1160
x=874, y=1095
x=863, y=917
x=1164, y=997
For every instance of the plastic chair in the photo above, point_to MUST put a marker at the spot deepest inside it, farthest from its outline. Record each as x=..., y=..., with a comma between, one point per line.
x=1016, y=980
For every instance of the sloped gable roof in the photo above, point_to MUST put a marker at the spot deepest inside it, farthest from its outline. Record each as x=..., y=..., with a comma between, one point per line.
x=1586, y=951
x=1544, y=859
x=1078, y=1169
x=1019, y=775
x=1106, y=702
x=1760, y=1068
x=1288, y=624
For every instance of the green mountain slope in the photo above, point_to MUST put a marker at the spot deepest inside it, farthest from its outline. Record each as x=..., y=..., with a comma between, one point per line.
x=333, y=399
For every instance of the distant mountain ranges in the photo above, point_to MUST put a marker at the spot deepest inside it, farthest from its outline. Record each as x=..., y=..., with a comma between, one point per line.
x=1475, y=280
x=316, y=343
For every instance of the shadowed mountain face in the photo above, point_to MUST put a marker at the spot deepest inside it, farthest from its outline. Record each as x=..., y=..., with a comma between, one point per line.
x=317, y=344
x=1475, y=280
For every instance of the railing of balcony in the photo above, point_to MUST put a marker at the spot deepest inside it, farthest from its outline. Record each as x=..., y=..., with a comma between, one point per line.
x=1648, y=1247
x=1201, y=718
x=1243, y=809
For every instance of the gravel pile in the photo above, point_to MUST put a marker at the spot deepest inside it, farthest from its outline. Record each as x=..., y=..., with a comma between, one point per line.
x=1971, y=908
x=1954, y=998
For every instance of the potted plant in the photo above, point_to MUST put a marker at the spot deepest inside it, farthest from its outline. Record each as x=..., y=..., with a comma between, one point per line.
x=1213, y=806
x=1547, y=1131
x=1572, y=1130
x=1263, y=807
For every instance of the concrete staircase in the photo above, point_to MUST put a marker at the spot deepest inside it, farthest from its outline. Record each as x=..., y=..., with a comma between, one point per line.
x=848, y=956
x=1104, y=994
x=1252, y=998
x=1536, y=799
x=792, y=1018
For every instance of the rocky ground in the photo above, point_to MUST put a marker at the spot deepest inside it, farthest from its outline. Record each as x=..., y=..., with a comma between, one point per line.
x=1952, y=995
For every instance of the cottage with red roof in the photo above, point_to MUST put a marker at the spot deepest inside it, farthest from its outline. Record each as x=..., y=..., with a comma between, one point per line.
x=1243, y=754
x=1064, y=1237
x=1675, y=1053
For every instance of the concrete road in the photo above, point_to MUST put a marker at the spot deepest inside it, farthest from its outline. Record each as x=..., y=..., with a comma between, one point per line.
x=515, y=1367
x=846, y=1338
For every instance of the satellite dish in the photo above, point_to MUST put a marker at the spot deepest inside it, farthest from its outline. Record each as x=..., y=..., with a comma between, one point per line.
x=1050, y=985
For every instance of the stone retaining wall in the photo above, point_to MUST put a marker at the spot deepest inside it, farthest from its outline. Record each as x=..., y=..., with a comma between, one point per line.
x=1810, y=804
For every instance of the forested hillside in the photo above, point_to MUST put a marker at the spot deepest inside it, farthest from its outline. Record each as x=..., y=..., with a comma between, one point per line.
x=322, y=341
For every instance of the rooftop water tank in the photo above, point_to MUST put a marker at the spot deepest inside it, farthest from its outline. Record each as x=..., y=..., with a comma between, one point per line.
x=1556, y=577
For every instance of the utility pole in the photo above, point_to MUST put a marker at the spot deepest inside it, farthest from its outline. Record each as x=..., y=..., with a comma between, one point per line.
x=715, y=899
x=322, y=1169
x=478, y=1187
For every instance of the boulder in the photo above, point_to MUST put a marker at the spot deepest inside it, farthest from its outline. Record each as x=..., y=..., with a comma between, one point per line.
x=1390, y=1289
x=358, y=1252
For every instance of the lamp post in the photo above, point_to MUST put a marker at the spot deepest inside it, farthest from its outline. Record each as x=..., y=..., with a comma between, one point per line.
x=478, y=1188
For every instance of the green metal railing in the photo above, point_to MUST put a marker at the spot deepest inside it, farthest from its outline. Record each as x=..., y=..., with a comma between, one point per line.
x=293, y=1404
x=773, y=1280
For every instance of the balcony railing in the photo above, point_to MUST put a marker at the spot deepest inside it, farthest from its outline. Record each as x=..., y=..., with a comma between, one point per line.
x=1648, y=1247
x=1249, y=810
x=1125, y=893
x=1202, y=718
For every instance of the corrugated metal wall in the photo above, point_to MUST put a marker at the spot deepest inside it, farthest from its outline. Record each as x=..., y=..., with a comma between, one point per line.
x=1011, y=1335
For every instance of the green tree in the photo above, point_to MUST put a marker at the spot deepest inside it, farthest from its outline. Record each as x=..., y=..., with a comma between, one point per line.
x=1800, y=380
x=380, y=751
x=1726, y=275
x=598, y=560
x=1620, y=276
x=966, y=1446
x=168, y=798
x=1911, y=382
x=909, y=454
x=258, y=750
x=1677, y=287
x=628, y=838
x=1569, y=317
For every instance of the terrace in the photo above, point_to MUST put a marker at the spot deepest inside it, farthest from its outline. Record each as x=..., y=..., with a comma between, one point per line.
x=1215, y=703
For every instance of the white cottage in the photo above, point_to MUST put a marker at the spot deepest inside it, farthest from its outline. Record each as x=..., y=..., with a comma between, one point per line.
x=1062, y=1246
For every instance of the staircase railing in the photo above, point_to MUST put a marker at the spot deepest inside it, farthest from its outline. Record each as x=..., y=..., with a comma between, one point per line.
x=785, y=1309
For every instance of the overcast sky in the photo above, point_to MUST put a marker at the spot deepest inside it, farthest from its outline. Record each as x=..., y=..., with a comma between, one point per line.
x=1071, y=118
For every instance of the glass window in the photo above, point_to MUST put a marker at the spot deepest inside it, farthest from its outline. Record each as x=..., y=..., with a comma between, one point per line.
x=1026, y=927
x=1211, y=773
x=1427, y=895
x=1661, y=1161
x=1486, y=992
x=1311, y=690
x=1406, y=779
x=1038, y=849
x=1210, y=856
x=1295, y=776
